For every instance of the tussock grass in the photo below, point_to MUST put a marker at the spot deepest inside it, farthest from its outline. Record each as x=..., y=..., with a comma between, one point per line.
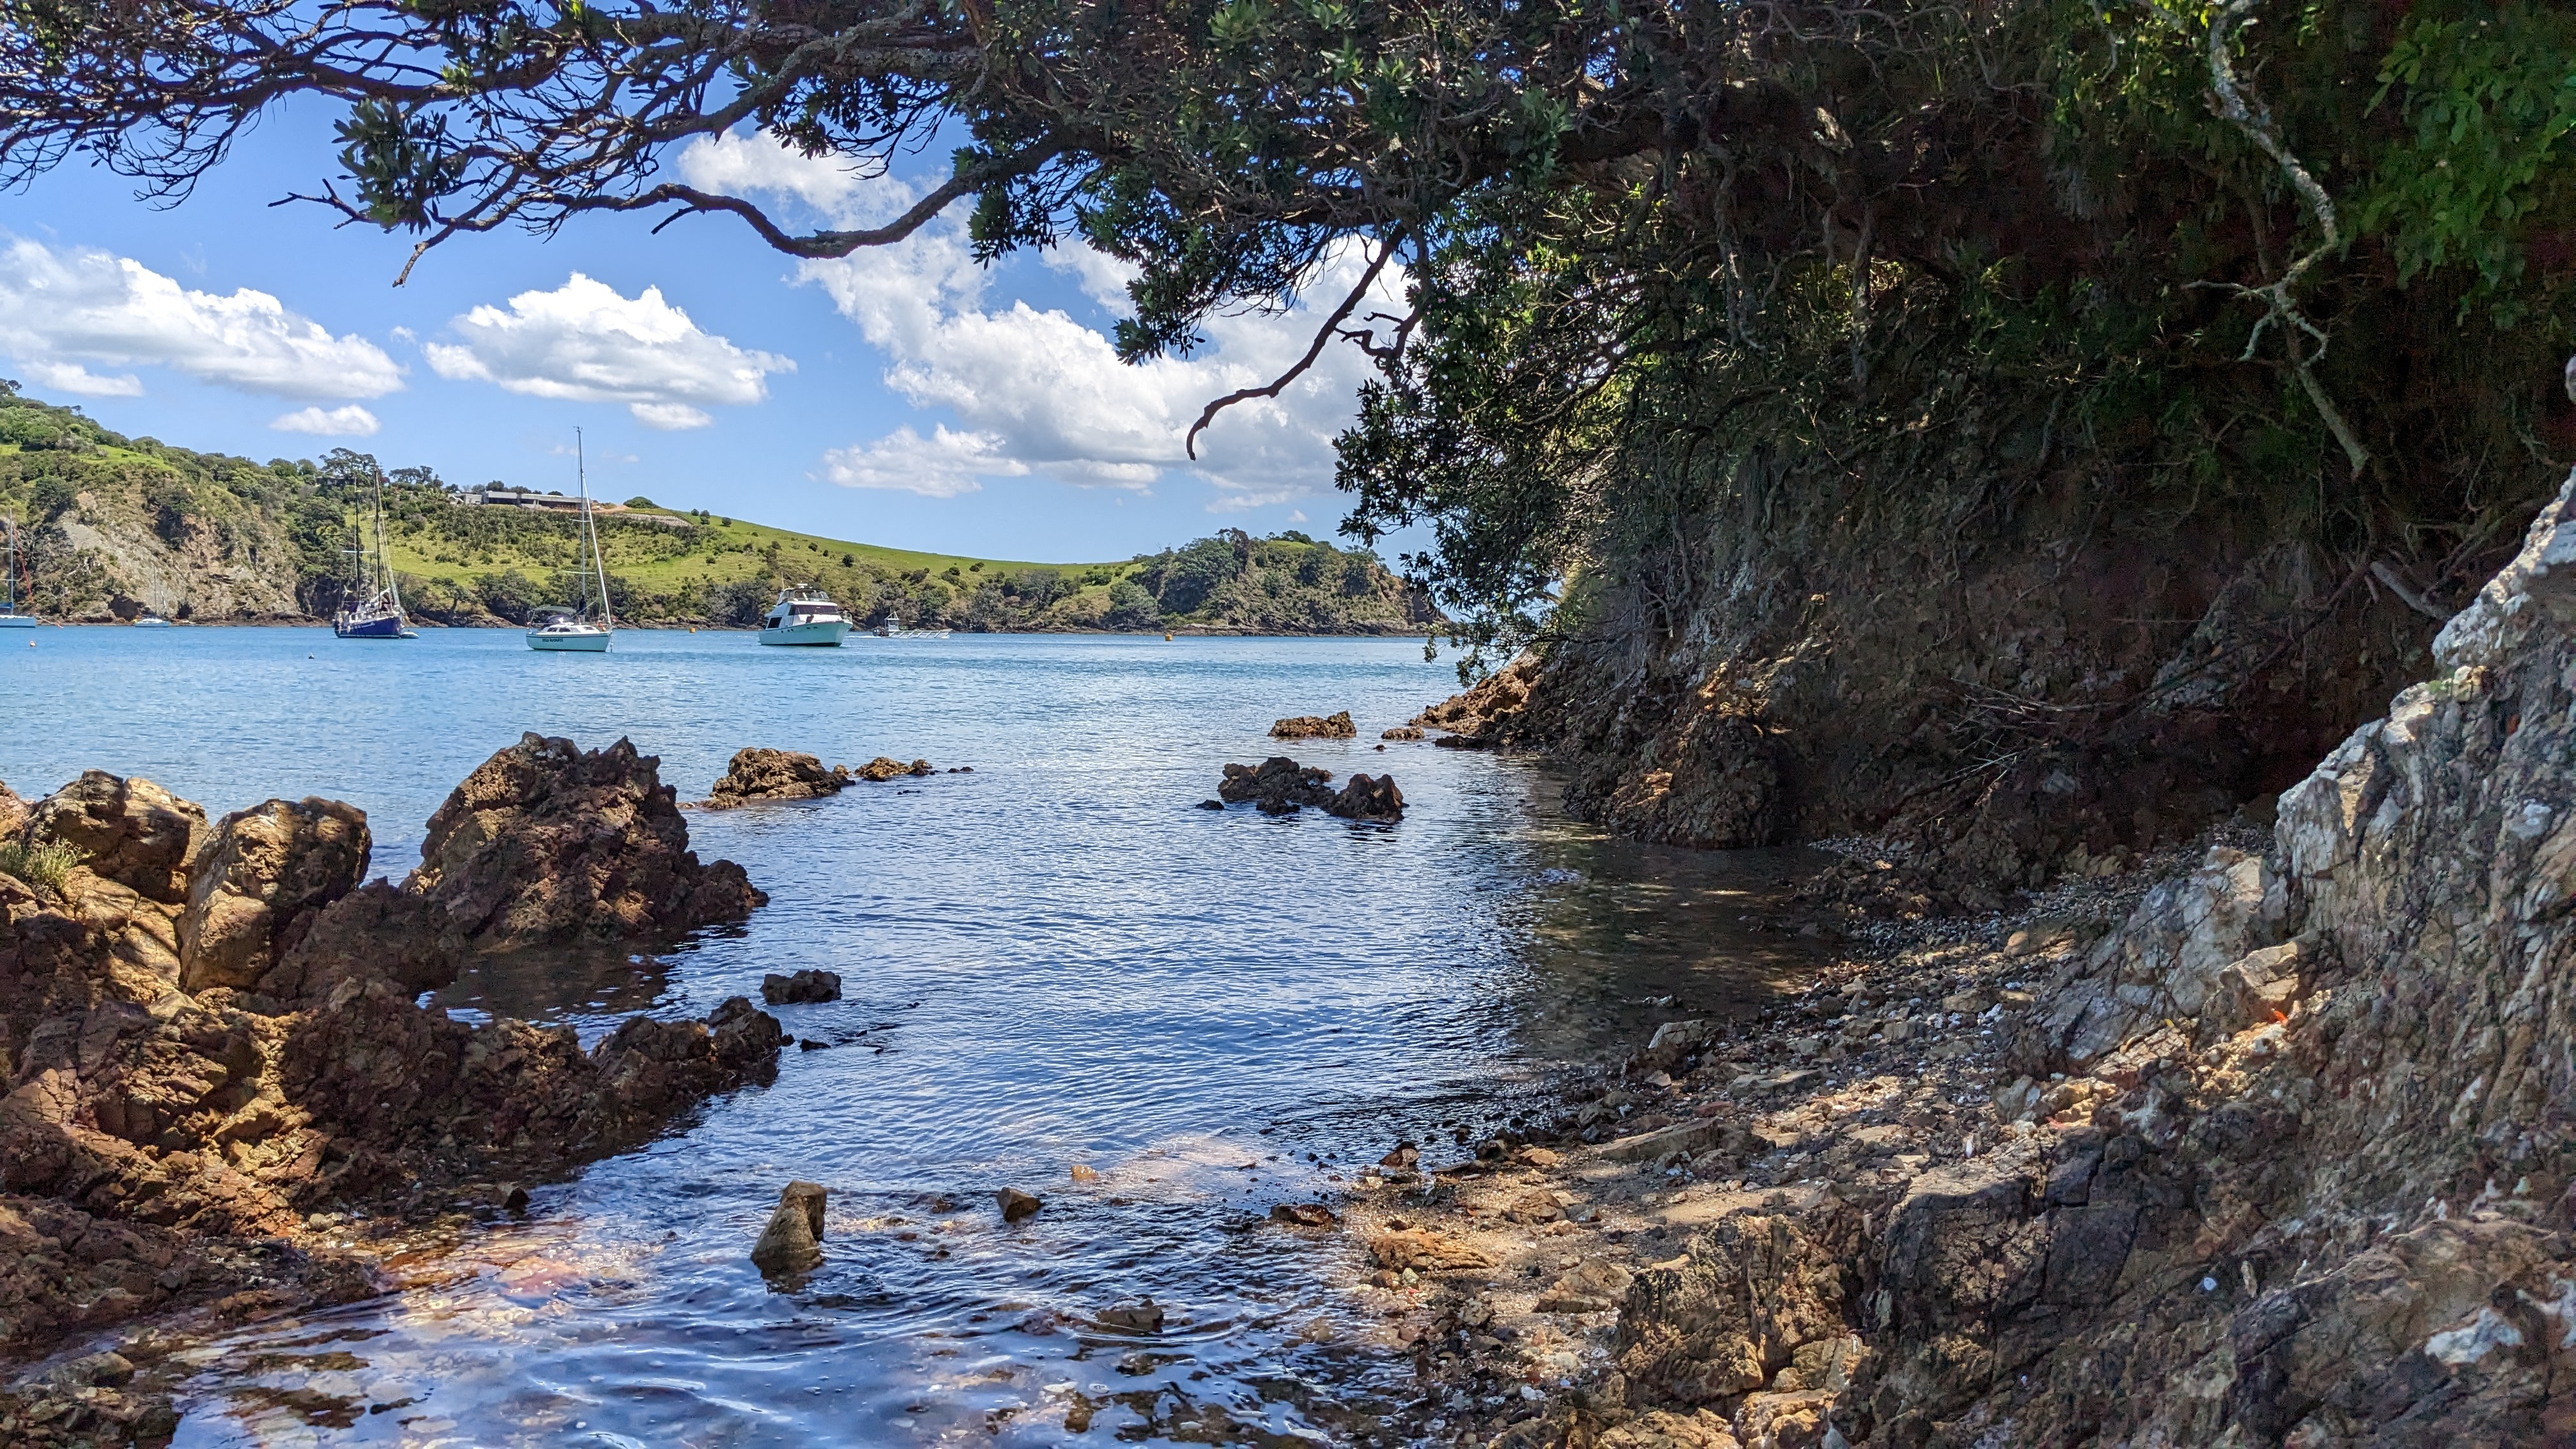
x=42, y=865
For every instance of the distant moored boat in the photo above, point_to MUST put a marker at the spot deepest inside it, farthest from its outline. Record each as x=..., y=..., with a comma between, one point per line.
x=10, y=618
x=377, y=612
x=804, y=616
x=570, y=631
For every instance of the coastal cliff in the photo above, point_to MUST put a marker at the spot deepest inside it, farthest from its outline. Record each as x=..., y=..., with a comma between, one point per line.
x=2267, y=1143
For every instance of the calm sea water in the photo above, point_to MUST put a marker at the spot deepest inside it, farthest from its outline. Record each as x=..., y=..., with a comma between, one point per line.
x=1054, y=960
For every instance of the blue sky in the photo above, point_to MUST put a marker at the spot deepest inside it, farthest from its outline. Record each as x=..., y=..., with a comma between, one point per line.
x=901, y=396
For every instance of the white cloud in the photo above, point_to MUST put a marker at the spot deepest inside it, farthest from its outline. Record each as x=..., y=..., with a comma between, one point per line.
x=582, y=342
x=943, y=465
x=352, y=421
x=1049, y=392
x=739, y=163
x=63, y=307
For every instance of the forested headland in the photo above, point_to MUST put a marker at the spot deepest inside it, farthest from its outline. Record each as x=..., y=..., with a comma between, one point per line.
x=112, y=526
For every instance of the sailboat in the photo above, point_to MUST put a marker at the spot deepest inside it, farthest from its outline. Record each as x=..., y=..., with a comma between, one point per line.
x=10, y=618
x=375, y=610
x=564, y=629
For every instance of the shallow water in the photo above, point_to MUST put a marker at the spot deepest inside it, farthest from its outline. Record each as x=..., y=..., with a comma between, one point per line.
x=1054, y=960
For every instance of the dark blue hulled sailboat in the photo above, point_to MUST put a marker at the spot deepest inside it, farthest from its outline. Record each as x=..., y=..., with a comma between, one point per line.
x=375, y=608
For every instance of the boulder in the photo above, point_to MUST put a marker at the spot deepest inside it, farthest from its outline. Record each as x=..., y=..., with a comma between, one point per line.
x=793, y=1241
x=1596, y=1285
x=759, y=774
x=13, y=812
x=1314, y=727
x=1401, y=732
x=886, y=767
x=1426, y=1251
x=803, y=987
x=1278, y=785
x=132, y=832
x=1368, y=797
x=546, y=842
x=1017, y=1204
x=266, y=872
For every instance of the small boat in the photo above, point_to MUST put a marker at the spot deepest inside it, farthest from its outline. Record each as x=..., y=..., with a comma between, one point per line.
x=376, y=607
x=804, y=616
x=10, y=618
x=570, y=631
x=151, y=621
x=891, y=627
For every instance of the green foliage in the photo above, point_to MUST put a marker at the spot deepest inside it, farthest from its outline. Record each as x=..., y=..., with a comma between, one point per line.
x=2487, y=94
x=43, y=865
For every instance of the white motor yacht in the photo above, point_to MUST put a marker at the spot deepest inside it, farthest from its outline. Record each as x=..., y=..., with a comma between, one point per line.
x=804, y=616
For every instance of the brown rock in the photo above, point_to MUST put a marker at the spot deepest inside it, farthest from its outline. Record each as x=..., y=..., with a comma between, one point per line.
x=1425, y=1251
x=1278, y=785
x=793, y=1240
x=1401, y=732
x=803, y=987
x=761, y=774
x=1595, y=1285
x=132, y=832
x=13, y=812
x=265, y=873
x=1144, y=1316
x=544, y=842
x=1017, y=1204
x=1534, y=1206
x=1303, y=1215
x=1368, y=797
x=1307, y=726
x=886, y=767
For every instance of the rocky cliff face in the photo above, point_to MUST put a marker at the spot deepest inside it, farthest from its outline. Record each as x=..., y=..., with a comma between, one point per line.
x=211, y=1032
x=2287, y=1158
x=2019, y=692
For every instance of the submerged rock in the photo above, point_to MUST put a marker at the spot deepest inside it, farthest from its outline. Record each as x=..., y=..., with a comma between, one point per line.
x=547, y=842
x=1368, y=797
x=1142, y=1316
x=1314, y=727
x=1278, y=785
x=886, y=767
x=762, y=774
x=793, y=1240
x=803, y=987
x=1401, y=732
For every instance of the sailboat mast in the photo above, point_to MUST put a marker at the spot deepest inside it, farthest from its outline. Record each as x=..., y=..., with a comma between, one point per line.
x=590, y=533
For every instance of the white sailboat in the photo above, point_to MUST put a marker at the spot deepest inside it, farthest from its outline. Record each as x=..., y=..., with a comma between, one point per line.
x=568, y=630
x=10, y=618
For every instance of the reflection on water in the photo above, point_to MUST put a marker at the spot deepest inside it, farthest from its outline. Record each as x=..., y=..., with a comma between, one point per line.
x=1054, y=962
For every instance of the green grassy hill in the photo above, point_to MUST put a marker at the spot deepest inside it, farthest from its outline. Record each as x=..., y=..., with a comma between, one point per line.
x=113, y=526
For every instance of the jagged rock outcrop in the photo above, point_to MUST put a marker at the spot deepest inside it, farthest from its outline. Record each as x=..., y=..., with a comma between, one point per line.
x=803, y=988
x=264, y=875
x=1368, y=797
x=13, y=812
x=199, y=1060
x=760, y=774
x=1316, y=727
x=2289, y=1158
x=131, y=832
x=1277, y=786
x=546, y=842
x=886, y=767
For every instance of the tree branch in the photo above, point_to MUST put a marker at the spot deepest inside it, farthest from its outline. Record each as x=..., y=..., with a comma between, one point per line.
x=1332, y=326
